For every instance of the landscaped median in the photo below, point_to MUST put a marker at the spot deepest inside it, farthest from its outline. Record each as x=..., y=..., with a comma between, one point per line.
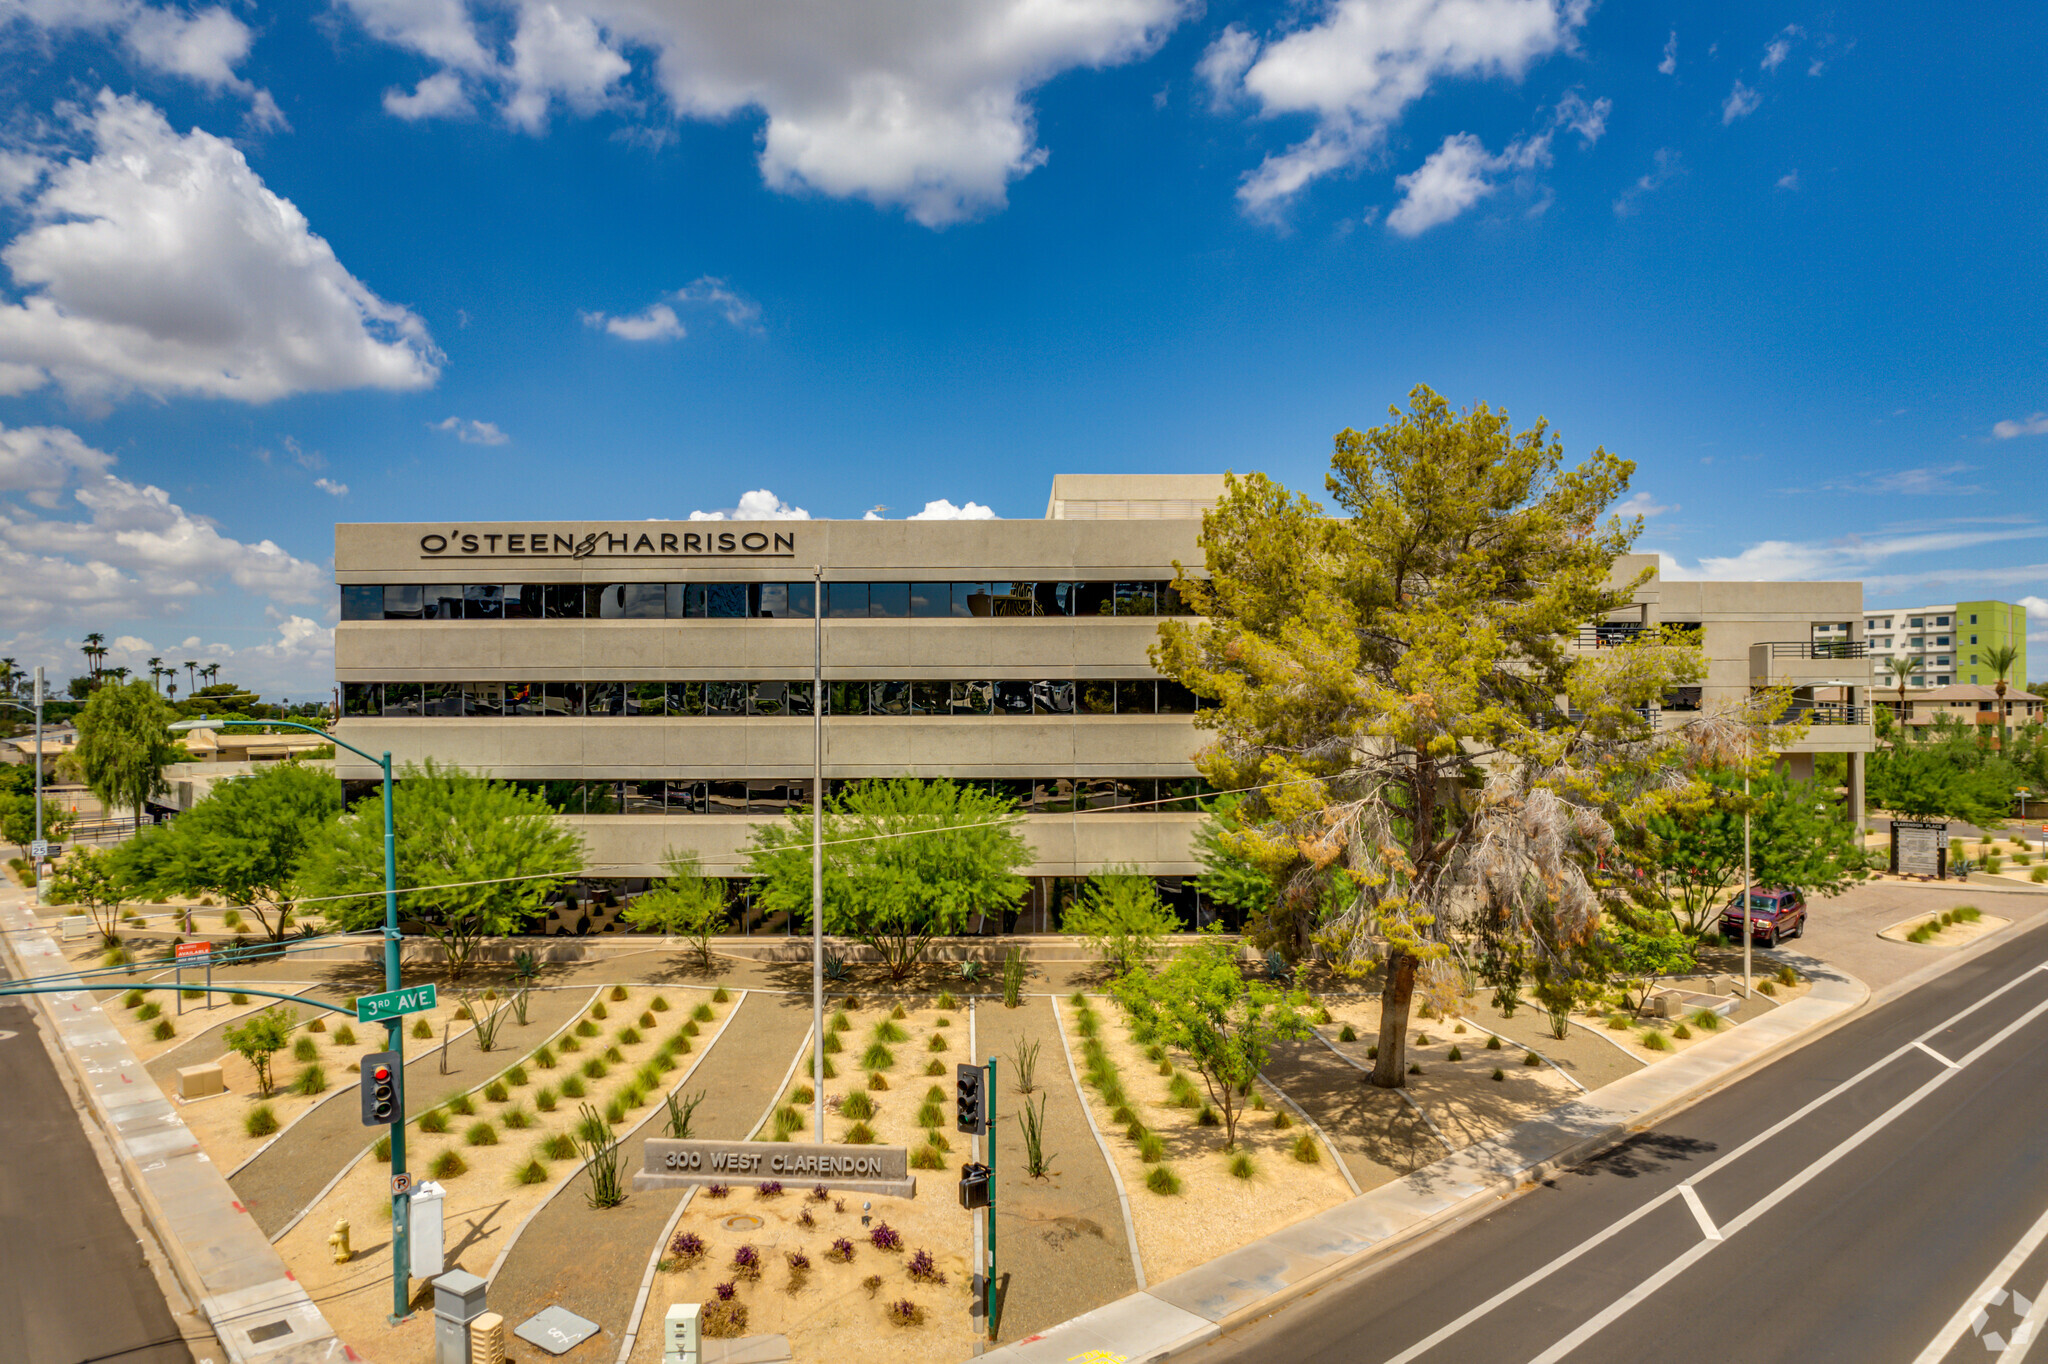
x=1195, y=1306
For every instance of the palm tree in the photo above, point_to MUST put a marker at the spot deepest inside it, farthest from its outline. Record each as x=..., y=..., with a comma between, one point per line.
x=8, y=672
x=191, y=666
x=210, y=672
x=93, y=652
x=118, y=674
x=2000, y=658
x=1901, y=668
x=156, y=672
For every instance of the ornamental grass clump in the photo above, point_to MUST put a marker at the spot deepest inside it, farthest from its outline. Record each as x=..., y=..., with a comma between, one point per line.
x=885, y=1237
x=517, y=1118
x=860, y=1134
x=877, y=1057
x=433, y=1120
x=1305, y=1149
x=587, y=1029
x=841, y=1252
x=857, y=1105
x=496, y=1092
x=927, y=1158
x=1281, y=1122
x=931, y=1115
x=260, y=1121
x=1492, y=1042
x=1530, y=1058
x=1241, y=1166
x=305, y=1049
x=1151, y=1148
x=481, y=1134
x=544, y=1099
x=462, y=1106
x=1652, y=1040
x=165, y=1030
x=888, y=1031
x=922, y=1268
x=572, y=1087
x=746, y=1264
x=561, y=1146
x=1706, y=1020
x=1681, y=1032
x=878, y=1081
x=447, y=1165
x=1348, y=1034
x=658, y=1004
x=702, y=1013
x=629, y=1036
x=938, y=1042
x=1162, y=1180
x=544, y=1058
x=935, y=1067
x=833, y=1046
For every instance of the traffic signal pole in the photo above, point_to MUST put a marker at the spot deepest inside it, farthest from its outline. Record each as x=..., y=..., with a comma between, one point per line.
x=995, y=1309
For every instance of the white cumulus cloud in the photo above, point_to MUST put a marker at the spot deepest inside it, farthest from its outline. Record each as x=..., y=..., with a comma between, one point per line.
x=656, y=322
x=943, y=510
x=1741, y=103
x=1642, y=504
x=2035, y=425
x=329, y=486
x=1363, y=62
x=758, y=505
x=919, y=106
x=1461, y=172
x=471, y=432
x=203, y=45
x=1669, y=66
x=163, y=264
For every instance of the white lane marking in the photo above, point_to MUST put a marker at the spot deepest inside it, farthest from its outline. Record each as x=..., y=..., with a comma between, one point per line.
x=1936, y=1055
x=1699, y=1212
x=1538, y=1275
x=1601, y=1320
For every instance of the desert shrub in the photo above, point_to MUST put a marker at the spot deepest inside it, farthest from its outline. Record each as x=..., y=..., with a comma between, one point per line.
x=496, y=1092
x=927, y=1158
x=447, y=1165
x=462, y=1105
x=165, y=1030
x=725, y=1318
x=433, y=1120
x=841, y=1251
x=1162, y=1180
x=344, y=1036
x=481, y=1134
x=687, y=1248
x=1241, y=1166
x=860, y=1134
x=544, y=1099
x=904, y=1312
x=260, y=1121
x=1151, y=1148
x=572, y=1087
x=533, y=1172
x=561, y=1146
x=305, y=1049
x=1305, y=1149
x=922, y=1268
x=516, y=1118
x=702, y=1013
x=746, y=1263
x=1348, y=1034
x=1653, y=1040
x=149, y=1011
x=544, y=1058
x=1530, y=1058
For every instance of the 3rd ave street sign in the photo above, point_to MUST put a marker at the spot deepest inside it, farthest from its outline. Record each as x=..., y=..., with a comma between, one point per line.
x=393, y=1003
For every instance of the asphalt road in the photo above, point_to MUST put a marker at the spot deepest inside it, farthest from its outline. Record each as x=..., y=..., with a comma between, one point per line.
x=1880, y=1195
x=74, y=1286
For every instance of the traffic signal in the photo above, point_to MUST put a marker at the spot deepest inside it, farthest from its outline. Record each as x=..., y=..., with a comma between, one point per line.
x=974, y=1191
x=968, y=1116
x=380, y=1087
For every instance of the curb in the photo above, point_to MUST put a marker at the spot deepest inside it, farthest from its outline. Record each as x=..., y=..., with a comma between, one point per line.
x=240, y=1285
x=1255, y=1280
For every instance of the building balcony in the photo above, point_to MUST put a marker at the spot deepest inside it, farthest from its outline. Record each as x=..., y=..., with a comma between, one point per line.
x=1822, y=663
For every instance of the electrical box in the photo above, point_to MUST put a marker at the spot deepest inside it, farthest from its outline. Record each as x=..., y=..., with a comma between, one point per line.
x=458, y=1301
x=681, y=1333
x=974, y=1187
x=424, y=1227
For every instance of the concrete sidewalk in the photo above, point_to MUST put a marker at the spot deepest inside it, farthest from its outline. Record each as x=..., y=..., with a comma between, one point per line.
x=226, y=1264
x=1193, y=1308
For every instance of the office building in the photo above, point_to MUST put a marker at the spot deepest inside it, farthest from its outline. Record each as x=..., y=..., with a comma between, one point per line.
x=1947, y=644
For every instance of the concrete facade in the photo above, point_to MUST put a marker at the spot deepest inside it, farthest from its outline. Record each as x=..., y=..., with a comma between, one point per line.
x=1103, y=788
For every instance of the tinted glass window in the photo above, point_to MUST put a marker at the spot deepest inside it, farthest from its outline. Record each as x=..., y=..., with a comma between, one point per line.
x=972, y=599
x=362, y=698
x=772, y=600
x=683, y=797
x=523, y=601
x=1013, y=698
x=646, y=698
x=563, y=601
x=1052, y=698
x=1134, y=698
x=402, y=602
x=726, y=798
x=1098, y=698
x=483, y=601
x=971, y=698
x=441, y=698
x=889, y=599
x=1174, y=699
x=889, y=698
x=799, y=694
x=846, y=698
x=770, y=698
x=1137, y=599
x=726, y=698
x=931, y=599
x=362, y=603
x=686, y=698
x=846, y=599
x=562, y=698
x=633, y=601
x=483, y=698
x=444, y=602
x=725, y=601
x=929, y=698
x=1010, y=599
x=604, y=698
x=1051, y=599
x=1093, y=599
x=802, y=600
x=401, y=698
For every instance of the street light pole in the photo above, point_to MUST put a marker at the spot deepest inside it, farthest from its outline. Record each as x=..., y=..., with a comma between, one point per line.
x=818, y=848
x=394, y=1027
x=1747, y=992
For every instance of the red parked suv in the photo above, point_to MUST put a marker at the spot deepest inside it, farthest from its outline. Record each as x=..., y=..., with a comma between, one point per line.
x=1773, y=914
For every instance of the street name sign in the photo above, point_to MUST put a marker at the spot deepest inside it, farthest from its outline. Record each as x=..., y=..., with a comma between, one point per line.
x=416, y=999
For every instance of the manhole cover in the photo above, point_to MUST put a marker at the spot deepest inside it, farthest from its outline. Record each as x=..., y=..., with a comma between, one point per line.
x=743, y=1222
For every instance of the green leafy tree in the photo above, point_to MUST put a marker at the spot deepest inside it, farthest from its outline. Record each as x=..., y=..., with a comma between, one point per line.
x=688, y=905
x=1640, y=959
x=124, y=744
x=87, y=877
x=1120, y=915
x=261, y=1036
x=243, y=842
x=18, y=820
x=1401, y=685
x=1800, y=839
x=1200, y=1003
x=1948, y=774
x=478, y=856
x=905, y=860
x=1233, y=880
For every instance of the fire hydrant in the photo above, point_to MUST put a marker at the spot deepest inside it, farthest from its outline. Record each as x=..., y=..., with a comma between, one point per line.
x=338, y=1243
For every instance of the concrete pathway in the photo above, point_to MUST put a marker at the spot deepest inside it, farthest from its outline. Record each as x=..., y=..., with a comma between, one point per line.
x=1378, y=1135
x=591, y=1261
x=283, y=1179
x=1061, y=1241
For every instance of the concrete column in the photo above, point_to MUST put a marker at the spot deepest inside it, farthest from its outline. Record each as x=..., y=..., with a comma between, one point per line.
x=1855, y=784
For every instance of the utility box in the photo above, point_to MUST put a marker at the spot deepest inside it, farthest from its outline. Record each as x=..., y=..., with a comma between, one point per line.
x=487, y=1339
x=424, y=1228
x=681, y=1332
x=196, y=1082
x=458, y=1301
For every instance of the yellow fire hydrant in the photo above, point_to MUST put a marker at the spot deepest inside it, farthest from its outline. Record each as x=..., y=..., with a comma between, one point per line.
x=338, y=1243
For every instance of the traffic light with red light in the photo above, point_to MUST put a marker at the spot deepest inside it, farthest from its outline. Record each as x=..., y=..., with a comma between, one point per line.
x=382, y=1104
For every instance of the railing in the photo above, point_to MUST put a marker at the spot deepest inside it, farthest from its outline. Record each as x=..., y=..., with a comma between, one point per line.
x=1824, y=648
x=1825, y=713
x=1608, y=634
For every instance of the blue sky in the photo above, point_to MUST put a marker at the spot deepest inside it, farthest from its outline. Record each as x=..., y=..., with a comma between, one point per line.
x=267, y=268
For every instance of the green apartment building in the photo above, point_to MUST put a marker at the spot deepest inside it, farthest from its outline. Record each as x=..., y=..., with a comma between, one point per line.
x=1949, y=644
